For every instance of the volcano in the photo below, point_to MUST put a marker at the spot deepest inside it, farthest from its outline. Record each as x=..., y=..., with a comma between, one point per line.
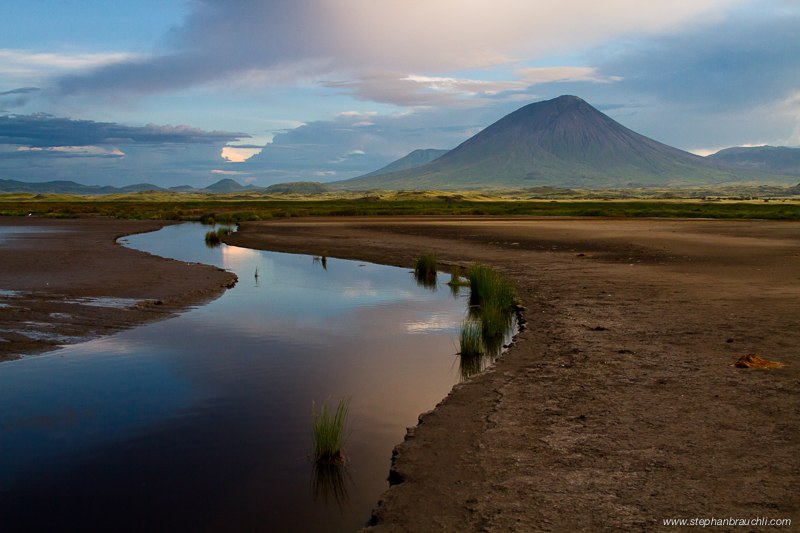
x=561, y=142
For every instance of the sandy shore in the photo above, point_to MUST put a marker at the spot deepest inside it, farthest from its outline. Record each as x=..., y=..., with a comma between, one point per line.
x=618, y=407
x=50, y=278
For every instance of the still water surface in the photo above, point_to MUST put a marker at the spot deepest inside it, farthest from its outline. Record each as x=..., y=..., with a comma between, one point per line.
x=201, y=422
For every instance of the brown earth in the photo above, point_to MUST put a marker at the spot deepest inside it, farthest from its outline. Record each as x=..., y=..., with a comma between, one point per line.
x=47, y=281
x=618, y=406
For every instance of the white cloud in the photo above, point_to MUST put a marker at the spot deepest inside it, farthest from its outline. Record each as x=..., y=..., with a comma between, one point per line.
x=234, y=154
x=229, y=172
x=19, y=67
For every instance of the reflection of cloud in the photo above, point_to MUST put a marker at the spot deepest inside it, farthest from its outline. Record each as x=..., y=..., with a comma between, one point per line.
x=435, y=323
x=356, y=293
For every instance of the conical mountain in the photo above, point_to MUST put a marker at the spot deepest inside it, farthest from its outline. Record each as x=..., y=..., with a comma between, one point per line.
x=564, y=142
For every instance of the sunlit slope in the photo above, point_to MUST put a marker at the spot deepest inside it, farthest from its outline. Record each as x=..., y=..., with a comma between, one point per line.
x=560, y=142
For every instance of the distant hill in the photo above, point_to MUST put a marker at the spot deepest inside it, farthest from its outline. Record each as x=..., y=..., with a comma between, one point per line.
x=781, y=159
x=561, y=142
x=71, y=187
x=412, y=160
x=229, y=185
x=298, y=187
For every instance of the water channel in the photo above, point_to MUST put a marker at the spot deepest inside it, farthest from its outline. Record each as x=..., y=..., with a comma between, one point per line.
x=201, y=422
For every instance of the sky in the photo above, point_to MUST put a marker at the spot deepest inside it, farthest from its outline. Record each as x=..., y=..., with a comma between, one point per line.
x=188, y=92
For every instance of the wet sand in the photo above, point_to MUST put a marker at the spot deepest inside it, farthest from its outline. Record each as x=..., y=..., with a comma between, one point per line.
x=617, y=407
x=51, y=282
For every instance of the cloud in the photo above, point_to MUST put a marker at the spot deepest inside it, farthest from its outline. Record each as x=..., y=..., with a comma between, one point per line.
x=745, y=60
x=17, y=97
x=409, y=90
x=355, y=143
x=282, y=42
x=43, y=131
x=61, y=152
x=728, y=84
x=534, y=76
x=32, y=67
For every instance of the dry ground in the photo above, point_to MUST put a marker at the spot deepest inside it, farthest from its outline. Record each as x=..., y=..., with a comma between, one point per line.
x=618, y=407
x=44, y=277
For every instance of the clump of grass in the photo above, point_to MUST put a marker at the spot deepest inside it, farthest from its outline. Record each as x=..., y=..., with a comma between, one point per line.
x=495, y=321
x=330, y=430
x=472, y=358
x=469, y=338
x=455, y=277
x=425, y=266
x=214, y=238
x=487, y=286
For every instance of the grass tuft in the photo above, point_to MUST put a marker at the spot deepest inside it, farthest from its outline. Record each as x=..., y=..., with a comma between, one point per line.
x=425, y=266
x=470, y=340
x=214, y=238
x=489, y=288
x=455, y=277
x=330, y=430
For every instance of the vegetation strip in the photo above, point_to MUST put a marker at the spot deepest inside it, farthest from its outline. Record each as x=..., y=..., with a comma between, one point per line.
x=232, y=211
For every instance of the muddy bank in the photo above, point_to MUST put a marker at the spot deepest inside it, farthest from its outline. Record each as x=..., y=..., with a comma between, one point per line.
x=618, y=408
x=63, y=281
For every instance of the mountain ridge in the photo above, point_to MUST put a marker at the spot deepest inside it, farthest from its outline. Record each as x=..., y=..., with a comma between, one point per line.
x=780, y=159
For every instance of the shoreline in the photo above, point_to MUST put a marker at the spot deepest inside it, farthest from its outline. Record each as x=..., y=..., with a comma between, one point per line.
x=617, y=407
x=53, y=279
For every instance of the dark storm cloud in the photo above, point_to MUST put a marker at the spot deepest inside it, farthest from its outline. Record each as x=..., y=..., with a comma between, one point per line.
x=46, y=131
x=220, y=38
x=743, y=62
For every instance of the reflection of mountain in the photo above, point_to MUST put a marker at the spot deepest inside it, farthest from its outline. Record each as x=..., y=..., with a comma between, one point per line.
x=564, y=142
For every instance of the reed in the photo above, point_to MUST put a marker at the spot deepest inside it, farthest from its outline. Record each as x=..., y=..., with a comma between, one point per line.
x=470, y=339
x=214, y=238
x=455, y=277
x=488, y=286
x=425, y=266
x=330, y=430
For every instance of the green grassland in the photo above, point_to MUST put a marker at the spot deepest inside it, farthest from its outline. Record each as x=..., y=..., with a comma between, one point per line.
x=776, y=203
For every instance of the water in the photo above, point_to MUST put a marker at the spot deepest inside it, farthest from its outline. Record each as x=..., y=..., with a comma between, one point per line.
x=201, y=422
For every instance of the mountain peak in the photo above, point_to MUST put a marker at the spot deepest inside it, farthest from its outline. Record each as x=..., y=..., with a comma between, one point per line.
x=560, y=142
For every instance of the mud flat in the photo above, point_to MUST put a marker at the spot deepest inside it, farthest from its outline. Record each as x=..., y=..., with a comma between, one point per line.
x=62, y=281
x=618, y=407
